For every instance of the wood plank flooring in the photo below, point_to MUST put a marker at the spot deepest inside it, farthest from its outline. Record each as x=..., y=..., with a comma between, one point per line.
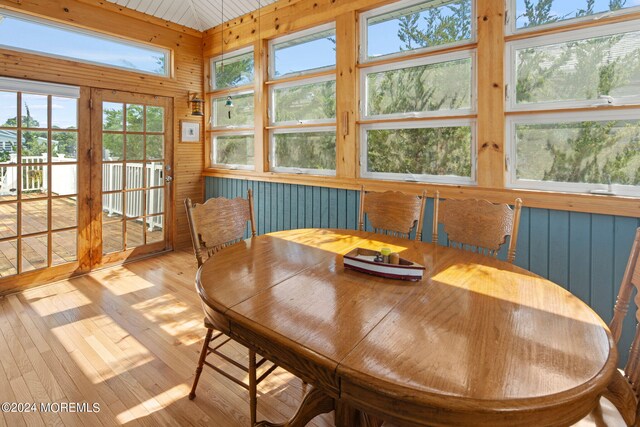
x=128, y=339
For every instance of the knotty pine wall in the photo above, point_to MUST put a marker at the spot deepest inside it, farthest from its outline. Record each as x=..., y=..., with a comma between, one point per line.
x=186, y=46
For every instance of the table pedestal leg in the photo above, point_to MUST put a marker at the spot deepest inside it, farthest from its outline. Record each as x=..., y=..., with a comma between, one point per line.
x=347, y=416
x=316, y=402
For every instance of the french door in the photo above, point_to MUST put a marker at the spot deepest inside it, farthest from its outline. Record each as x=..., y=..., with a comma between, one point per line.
x=131, y=175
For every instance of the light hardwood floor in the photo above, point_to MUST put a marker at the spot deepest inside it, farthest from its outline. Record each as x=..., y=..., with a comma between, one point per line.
x=127, y=338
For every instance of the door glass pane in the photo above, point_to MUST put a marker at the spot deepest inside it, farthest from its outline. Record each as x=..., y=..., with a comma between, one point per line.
x=135, y=233
x=63, y=180
x=112, y=206
x=8, y=109
x=112, y=237
x=8, y=220
x=135, y=202
x=135, y=118
x=8, y=258
x=34, y=253
x=155, y=174
x=64, y=247
x=112, y=116
x=64, y=113
x=155, y=201
x=112, y=176
x=34, y=146
x=64, y=213
x=8, y=183
x=34, y=216
x=135, y=175
x=135, y=145
x=155, y=229
x=8, y=145
x=64, y=145
x=34, y=111
x=155, y=147
x=35, y=180
x=155, y=119
x=112, y=146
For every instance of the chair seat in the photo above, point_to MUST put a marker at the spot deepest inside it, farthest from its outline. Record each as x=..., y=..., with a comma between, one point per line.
x=605, y=415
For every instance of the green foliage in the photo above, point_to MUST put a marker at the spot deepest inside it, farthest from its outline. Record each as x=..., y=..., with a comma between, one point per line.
x=113, y=120
x=234, y=72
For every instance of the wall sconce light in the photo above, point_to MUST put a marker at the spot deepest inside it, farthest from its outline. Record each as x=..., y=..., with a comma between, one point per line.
x=197, y=105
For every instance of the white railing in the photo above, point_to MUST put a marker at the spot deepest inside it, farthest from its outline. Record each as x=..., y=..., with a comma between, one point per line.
x=34, y=179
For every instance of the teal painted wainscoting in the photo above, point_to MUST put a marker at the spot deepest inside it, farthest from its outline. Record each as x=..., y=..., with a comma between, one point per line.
x=584, y=253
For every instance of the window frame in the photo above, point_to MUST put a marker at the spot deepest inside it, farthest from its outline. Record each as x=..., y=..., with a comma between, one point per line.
x=214, y=109
x=229, y=166
x=567, y=36
x=226, y=56
x=294, y=83
x=168, y=53
x=511, y=179
x=432, y=179
x=512, y=11
x=299, y=171
x=363, y=48
x=271, y=67
x=427, y=60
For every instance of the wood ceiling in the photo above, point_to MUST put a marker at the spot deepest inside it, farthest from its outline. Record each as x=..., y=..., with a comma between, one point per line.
x=198, y=14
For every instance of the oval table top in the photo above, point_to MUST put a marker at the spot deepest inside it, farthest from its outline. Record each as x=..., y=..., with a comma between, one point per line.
x=477, y=341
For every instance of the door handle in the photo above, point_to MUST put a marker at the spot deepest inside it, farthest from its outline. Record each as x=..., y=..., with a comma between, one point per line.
x=168, y=179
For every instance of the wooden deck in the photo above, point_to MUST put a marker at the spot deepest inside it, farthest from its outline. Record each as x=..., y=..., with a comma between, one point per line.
x=64, y=244
x=127, y=338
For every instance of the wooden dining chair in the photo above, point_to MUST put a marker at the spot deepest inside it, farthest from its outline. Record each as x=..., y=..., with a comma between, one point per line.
x=215, y=225
x=392, y=213
x=620, y=403
x=477, y=225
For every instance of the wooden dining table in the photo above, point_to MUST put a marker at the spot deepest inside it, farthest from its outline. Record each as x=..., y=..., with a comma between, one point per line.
x=476, y=342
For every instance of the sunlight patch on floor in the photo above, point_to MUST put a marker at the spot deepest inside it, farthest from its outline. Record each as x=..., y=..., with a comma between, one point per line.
x=153, y=404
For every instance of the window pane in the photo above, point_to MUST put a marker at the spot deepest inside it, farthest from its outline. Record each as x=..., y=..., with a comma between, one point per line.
x=8, y=146
x=64, y=113
x=135, y=118
x=313, y=101
x=304, y=54
x=8, y=258
x=135, y=200
x=135, y=146
x=595, y=152
x=233, y=71
x=112, y=237
x=155, y=147
x=64, y=180
x=155, y=119
x=581, y=70
x=155, y=229
x=8, y=182
x=155, y=174
x=112, y=116
x=420, y=151
x=433, y=87
x=8, y=109
x=64, y=213
x=8, y=220
x=64, y=247
x=64, y=145
x=155, y=201
x=539, y=12
x=34, y=144
x=112, y=176
x=135, y=233
x=35, y=179
x=112, y=146
x=240, y=115
x=34, y=216
x=34, y=253
x=135, y=176
x=233, y=150
x=428, y=24
x=34, y=111
x=112, y=206
x=305, y=150
x=61, y=40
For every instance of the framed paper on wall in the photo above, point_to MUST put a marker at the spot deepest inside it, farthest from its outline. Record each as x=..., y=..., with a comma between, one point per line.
x=189, y=131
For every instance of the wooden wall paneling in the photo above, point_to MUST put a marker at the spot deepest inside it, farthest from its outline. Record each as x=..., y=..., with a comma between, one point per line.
x=85, y=153
x=261, y=102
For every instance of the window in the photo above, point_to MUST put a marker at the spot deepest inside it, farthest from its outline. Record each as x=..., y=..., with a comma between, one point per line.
x=20, y=32
x=584, y=149
x=416, y=26
x=526, y=15
x=417, y=115
x=233, y=108
x=302, y=112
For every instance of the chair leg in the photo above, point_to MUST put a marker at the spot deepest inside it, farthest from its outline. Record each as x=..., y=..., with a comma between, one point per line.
x=203, y=356
x=253, y=399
